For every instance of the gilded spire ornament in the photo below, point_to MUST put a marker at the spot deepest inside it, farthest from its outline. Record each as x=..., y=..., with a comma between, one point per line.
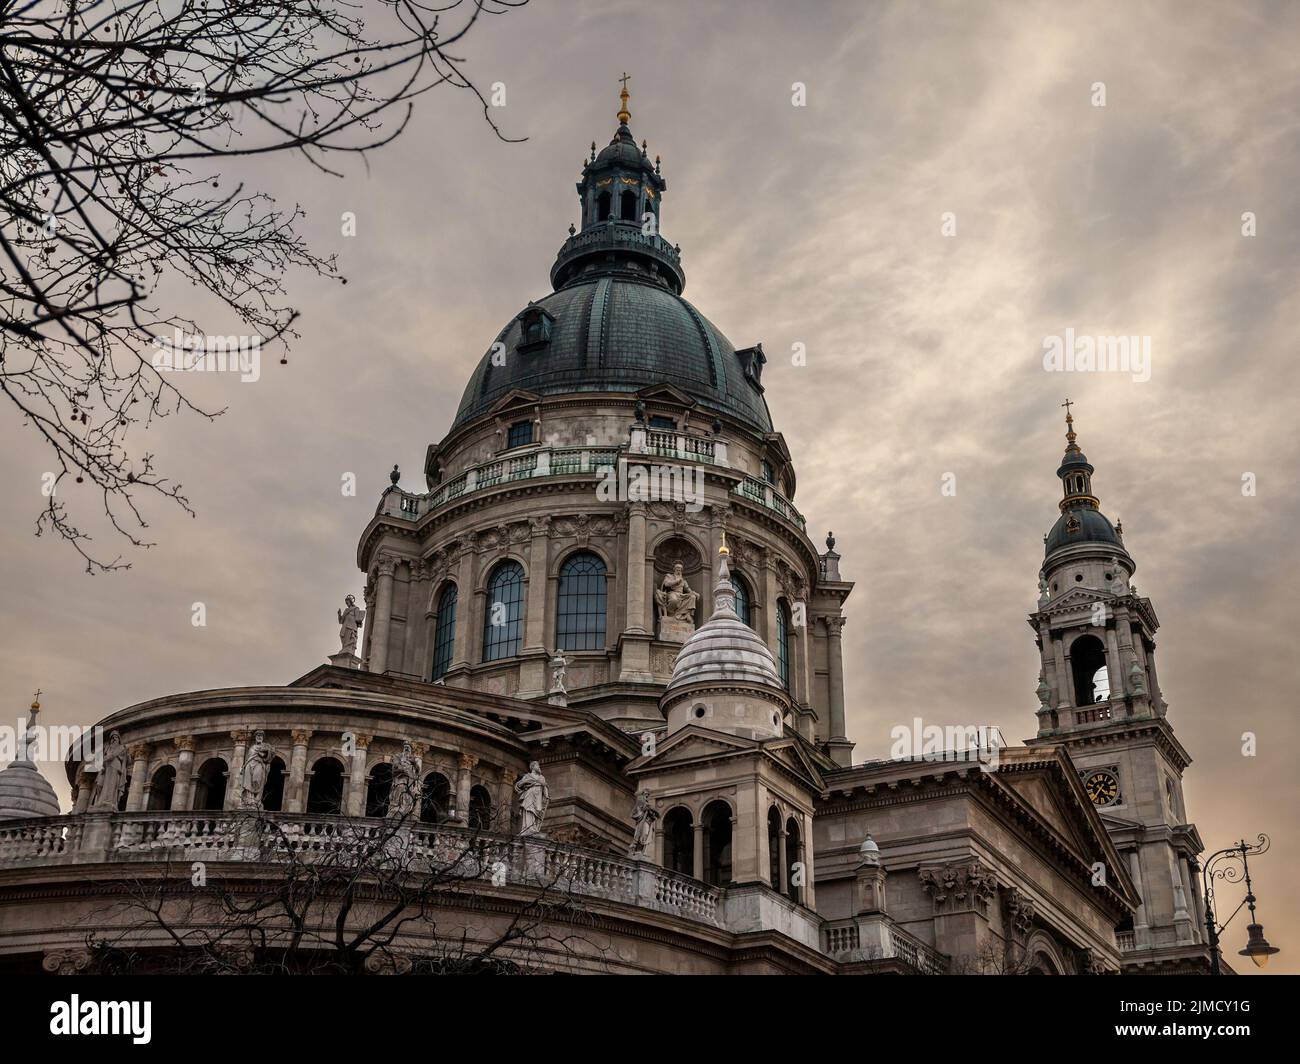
x=624, y=115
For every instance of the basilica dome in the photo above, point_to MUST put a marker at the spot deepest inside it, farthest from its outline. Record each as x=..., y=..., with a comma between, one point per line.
x=616, y=320
x=609, y=333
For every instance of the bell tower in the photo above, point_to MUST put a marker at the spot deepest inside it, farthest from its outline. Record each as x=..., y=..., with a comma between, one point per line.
x=1099, y=696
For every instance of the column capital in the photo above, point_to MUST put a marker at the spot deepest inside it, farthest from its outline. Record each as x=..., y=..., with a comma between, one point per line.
x=301, y=736
x=508, y=776
x=139, y=751
x=240, y=735
x=386, y=564
x=468, y=761
x=362, y=742
x=418, y=750
x=184, y=743
x=834, y=625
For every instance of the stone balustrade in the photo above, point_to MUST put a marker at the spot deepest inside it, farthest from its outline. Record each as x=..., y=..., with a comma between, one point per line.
x=877, y=937
x=96, y=838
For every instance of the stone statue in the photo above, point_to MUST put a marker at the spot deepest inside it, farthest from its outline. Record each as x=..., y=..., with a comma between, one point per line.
x=1044, y=592
x=350, y=617
x=644, y=815
x=406, y=783
x=1118, y=582
x=676, y=603
x=110, y=781
x=534, y=797
x=559, y=673
x=1044, y=694
x=257, y=766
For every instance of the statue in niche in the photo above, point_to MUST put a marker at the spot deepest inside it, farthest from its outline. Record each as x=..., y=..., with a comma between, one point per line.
x=676, y=603
x=111, y=779
x=1044, y=592
x=252, y=777
x=350, y=617
x=534, y=797
x=559, y=674
x=644, y=815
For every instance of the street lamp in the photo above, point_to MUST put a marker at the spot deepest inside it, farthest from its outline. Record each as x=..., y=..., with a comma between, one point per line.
x=1223, y=865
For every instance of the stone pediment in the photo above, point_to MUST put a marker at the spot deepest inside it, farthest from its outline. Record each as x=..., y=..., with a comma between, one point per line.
x=514, y=399
x=1039, y=792
x=667, y=393
x=792, y=757
x=693, y=744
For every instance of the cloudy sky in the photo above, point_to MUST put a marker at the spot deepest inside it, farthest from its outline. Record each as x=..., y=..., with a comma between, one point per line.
x=819, y=225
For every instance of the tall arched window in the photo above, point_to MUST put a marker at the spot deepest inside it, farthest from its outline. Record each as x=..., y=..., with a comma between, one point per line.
x=716, y=820
x=602, y=206
x=794, y=861
x=783, y=641
x=435, y=801
x=679, y=841
x=744, y=602
x=444, y=632
x=628, y=211
x=774, y=847
x=1088, y=659
x=503, y=613
x=580, y=607
x=273, y=792
x=480, y=809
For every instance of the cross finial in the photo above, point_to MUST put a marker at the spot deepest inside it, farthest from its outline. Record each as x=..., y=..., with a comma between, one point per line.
x=624, y=115
x=1067, y=404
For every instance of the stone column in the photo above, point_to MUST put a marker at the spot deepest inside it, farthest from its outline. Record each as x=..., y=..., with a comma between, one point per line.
x=809, y=872
x=838, y=745
x=356, y=797
x=697, y=850
x=784, y=886
x=1182, y=918
x=466, y=615
x=240, y=736
x=1114, y=669
x=505, y=801
x=1064, y=696
x=771, y=592
x=636, y=547
x=139, y=777
x=1140, y=917
x=383, y=614
x=464, y=766
x=184, y=771
x=535, y=623
x=295, y=791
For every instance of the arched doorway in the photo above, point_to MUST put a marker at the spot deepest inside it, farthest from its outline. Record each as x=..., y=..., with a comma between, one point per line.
x=210, y=785
x=435, y=798
x=161, y=788
x=716, y=823
x=325, y=792
x=679, y=841
x=273, y=792
x=379, y=789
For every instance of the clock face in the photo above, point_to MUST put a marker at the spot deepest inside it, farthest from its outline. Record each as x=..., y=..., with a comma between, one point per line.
x=1102, y=787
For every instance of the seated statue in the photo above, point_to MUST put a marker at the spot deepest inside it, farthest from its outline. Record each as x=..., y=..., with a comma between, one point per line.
x=675, y=598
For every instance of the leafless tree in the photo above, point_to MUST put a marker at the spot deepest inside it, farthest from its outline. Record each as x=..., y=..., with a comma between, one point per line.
x=390, y=895
x=120, y=222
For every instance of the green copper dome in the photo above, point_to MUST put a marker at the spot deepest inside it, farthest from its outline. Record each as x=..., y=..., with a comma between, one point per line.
x=616, y=321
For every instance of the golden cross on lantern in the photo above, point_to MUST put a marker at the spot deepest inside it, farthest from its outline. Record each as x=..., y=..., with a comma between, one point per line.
x=625, y=79
x=624, y=116
x=1067, y=404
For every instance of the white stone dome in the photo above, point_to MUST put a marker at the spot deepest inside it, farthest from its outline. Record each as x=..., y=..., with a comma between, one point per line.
x=25, y=792
x=724, y=649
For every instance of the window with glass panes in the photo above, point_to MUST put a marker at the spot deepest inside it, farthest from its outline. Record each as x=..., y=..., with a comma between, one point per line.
x=444, y=632
x=503, y=614
x=580, y=606
x=743, y=602
x=521, y=433
x=783, y=641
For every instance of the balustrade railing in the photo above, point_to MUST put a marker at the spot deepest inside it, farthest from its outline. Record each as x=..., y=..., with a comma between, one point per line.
x=454, y=851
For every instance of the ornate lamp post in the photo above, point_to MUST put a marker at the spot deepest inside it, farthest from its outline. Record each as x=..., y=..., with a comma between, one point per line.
x=1223, y=865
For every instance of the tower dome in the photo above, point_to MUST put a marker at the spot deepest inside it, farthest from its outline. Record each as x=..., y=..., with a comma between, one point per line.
x=1081, y=521
x=24, y=792
x=724, y=676
x=616, y=320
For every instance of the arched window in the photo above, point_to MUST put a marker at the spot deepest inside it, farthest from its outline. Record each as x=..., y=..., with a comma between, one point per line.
x=774, y=847
x=161, y=787
x=435, y=801
x=379, y=789
x=716, y=821
x=628, y=211
x=744, y=602
x=794, y=861
x=580, y=607
x=1088, y=663
x=602, y=206
x=210, y=785
x=444, y=632
x=503, y=615
x=783, y=641
x=679, y=841
x=273, y=792
x=325, y=794
x=480, y=809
